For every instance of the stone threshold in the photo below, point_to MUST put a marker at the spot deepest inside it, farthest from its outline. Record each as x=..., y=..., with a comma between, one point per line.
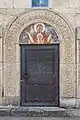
x=18, y=111
x=32, y=111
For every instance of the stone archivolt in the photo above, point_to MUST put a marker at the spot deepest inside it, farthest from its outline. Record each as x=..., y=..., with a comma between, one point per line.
x=66, y=38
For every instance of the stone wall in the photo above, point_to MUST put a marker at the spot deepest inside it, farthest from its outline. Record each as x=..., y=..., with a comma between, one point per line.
x=10, y=10
x=56, y=4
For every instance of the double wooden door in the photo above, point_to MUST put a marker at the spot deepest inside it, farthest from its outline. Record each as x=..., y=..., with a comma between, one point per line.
x=39, y=75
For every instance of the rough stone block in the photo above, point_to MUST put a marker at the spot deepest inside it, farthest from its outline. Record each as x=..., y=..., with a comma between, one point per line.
x=11, y=11
x=60, y=4
x=74, y=3
x=22, y=4
x=68, y=102
x=6, y=3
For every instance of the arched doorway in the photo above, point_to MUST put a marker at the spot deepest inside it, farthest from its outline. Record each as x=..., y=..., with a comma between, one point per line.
x=39, y=66
x=12, y=52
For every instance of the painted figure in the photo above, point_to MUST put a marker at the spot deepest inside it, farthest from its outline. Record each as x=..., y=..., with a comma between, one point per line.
x=39, y=36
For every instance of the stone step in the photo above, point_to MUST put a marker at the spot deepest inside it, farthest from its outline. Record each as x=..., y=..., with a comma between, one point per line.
x=33, y=111
x=38, y=111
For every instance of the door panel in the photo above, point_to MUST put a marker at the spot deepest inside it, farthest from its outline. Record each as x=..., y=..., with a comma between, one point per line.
x=40, y=75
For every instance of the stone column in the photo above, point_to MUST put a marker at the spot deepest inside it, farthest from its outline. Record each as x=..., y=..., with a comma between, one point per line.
x=1, y=80
x=78, y=65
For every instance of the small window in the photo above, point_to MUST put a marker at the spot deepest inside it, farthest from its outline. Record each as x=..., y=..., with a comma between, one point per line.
x=39, y=3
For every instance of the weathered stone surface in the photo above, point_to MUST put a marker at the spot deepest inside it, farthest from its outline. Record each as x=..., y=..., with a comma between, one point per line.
x=1, y=19
x=10, y=100
x=74, y=3
x=6, y=20
x=56, y=4
x=12, y=79
x=1, y=28
x=11, y=11
x=32, y=112
x=46, y=113
x=6, y=3
x=68, y=102
x=13, y=28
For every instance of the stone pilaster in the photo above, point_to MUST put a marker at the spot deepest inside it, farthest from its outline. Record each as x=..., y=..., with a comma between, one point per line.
x=1, y=79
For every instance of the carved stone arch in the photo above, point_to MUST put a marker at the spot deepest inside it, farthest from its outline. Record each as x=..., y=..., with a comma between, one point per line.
x=67, y=50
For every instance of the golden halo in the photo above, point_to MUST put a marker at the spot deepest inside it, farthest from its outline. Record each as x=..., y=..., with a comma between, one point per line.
x=35, y=26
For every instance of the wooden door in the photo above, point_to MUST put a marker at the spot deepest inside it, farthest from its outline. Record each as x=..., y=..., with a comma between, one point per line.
x=40, y=75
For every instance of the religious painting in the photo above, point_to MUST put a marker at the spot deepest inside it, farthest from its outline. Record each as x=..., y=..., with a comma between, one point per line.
x=39, y=33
